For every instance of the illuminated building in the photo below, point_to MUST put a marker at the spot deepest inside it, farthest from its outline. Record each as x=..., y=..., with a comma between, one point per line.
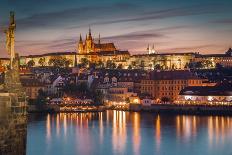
x=220, y=94
x=96, y=52
x=151, y=50
x=210, y=60
x=89, y=46
x=164, y=61
x=168, y=84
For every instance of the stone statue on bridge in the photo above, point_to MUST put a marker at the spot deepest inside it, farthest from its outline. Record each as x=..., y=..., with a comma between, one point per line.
x=13, y=105
x=12, y=79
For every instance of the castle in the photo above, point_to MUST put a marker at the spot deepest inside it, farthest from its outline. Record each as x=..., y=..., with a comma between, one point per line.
x=151, y=50
x=89, y=46
x=92, y=51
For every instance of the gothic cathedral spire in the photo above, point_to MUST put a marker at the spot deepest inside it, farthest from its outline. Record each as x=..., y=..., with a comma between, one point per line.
x=99, y=39
x=80, y=39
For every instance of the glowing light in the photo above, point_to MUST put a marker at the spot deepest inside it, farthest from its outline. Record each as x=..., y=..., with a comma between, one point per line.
x=136, y=100
x=188, y=97
x=210, y=98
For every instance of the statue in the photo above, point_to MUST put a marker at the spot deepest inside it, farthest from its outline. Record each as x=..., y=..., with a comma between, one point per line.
x=12, y=83
x=13, y=104
x=10, y=39
x=12, y=79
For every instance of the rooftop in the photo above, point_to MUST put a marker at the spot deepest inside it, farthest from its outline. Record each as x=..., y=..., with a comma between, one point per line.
x=218, y=90
x=172, y=75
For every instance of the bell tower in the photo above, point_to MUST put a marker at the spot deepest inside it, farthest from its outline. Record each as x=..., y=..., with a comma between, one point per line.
x=80, y=46
x=89, y=42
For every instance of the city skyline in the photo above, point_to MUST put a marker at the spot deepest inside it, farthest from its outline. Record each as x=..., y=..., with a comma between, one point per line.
x=191, y=26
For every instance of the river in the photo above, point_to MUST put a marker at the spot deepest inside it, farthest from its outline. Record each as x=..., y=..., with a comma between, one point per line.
x=127, y=133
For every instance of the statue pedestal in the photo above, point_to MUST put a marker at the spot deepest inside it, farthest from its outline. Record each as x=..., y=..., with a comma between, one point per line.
x=13, y=120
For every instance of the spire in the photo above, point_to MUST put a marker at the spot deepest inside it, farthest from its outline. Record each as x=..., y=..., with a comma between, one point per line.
x=153, y=49
x=99, y=39
x=12, y=20
x=89, y=31
x=80, y=39
x=148, y=49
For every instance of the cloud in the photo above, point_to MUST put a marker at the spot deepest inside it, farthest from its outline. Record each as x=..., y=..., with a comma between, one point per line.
x=173, y=12
x=74, y=16
x=191, y=48
x=223, y=21
x=146, y=34
x=134, y=36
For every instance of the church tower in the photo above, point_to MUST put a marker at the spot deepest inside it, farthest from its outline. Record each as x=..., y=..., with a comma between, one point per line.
x=89, y=42
x=80, y=46
x=99, y=39
x=148, y=49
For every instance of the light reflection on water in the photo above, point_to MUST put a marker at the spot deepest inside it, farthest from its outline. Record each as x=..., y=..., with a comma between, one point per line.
x=119, y=132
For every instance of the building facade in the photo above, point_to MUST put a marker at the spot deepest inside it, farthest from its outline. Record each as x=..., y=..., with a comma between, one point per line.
x=220, y=94
x=168, y=84
x=89, y=46
x=166, y=61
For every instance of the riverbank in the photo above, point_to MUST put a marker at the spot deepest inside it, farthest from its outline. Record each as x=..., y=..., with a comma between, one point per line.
x=183, y=109
x=64, y=109
x=155, y=108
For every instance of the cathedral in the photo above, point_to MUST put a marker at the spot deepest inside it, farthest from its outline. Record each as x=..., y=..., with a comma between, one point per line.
x=89, y=46
x=151, y=50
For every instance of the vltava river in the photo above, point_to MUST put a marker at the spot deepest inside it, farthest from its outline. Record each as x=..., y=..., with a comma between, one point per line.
x=127, y=133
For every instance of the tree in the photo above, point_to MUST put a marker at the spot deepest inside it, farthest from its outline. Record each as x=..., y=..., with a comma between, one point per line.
x=100, y=64
x=42, y=61
x=208, y=64
x=199, y=65
x=92, y=65
x=84, y=62
x=157, y=67
x=186, y=66
x=31, y=63
x=98, y=97
x=165, y=99
x=127, y=100
x=41, y=98
x=142, y=64
x=67, y=62
x=110, y=64
x=119, y=66
x=57, y=61
x=129, y=67
x=133, y=64
x=150, y=66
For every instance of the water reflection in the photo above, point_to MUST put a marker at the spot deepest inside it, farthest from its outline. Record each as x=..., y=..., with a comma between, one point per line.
x=118, y=132
x=158, y=133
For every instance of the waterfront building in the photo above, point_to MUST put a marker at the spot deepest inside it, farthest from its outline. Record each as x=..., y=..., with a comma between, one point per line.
x=166, y=85
x=220, y=94
x=32, y=86
x=118, y=86
x=146, y=100
x=119, y=95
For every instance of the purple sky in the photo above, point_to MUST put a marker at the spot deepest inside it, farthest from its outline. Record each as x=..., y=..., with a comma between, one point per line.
x=173, y=26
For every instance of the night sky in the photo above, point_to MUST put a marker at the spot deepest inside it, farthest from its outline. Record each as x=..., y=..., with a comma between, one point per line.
x=173, y=26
